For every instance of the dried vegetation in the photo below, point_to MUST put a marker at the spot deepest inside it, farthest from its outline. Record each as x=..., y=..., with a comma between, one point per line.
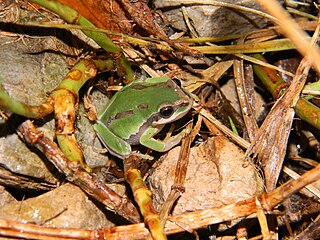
x=247, y=170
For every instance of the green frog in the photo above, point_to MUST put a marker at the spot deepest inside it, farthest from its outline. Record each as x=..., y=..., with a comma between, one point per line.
x=137, y=112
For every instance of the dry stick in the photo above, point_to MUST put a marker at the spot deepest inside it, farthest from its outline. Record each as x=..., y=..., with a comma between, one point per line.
x=11, y=179
x=32, y=231
x=314, y=190
x=262, y=220
x=293, y=31
x=193, y=220
x=180, y=174
x=75, y=174
x=311, y=232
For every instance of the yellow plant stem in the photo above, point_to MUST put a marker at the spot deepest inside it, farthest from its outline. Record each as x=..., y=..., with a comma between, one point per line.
x=143, y=198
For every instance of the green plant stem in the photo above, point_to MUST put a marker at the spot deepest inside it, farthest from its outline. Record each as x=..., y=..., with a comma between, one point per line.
x=14, y=106
x=276, y=86
x=268, y=46
x=66, y=97
x=64, y=102
x=72, y=16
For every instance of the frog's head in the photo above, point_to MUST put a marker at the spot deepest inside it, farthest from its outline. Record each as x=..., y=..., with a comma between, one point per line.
x=171, y=111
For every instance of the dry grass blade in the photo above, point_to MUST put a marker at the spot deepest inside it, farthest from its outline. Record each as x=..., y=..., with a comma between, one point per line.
x=224, y=4
x=236, y=138
x=243, y=96
x=262, y=63
x=269, y=147
x=210, y=75
x=292, y=30
x=311, y=188
x=262, y=220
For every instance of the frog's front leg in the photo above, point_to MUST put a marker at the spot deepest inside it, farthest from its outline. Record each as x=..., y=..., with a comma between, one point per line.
x=113, y=143
x=147, y=140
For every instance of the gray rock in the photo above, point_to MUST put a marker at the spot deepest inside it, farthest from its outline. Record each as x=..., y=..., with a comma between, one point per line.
x=212, y=21
x=65, y=207
x=216, y=176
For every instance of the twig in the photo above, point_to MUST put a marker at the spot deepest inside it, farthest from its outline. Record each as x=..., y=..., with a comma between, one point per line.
x=195, y=219
x=77, y=175
x=180, y=173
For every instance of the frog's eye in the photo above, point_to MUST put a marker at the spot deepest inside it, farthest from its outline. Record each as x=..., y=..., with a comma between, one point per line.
x=166, y=112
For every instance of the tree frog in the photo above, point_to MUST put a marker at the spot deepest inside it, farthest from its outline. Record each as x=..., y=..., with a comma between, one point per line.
x=137, y=112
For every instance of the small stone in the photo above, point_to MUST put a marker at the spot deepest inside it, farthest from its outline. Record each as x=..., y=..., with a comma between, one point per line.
x=65, y=207
x=216, y=176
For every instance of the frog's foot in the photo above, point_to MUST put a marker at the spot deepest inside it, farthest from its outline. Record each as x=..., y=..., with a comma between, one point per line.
x=161, y=145
x=174, y=140
x=183, y=132
x=115, y=145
